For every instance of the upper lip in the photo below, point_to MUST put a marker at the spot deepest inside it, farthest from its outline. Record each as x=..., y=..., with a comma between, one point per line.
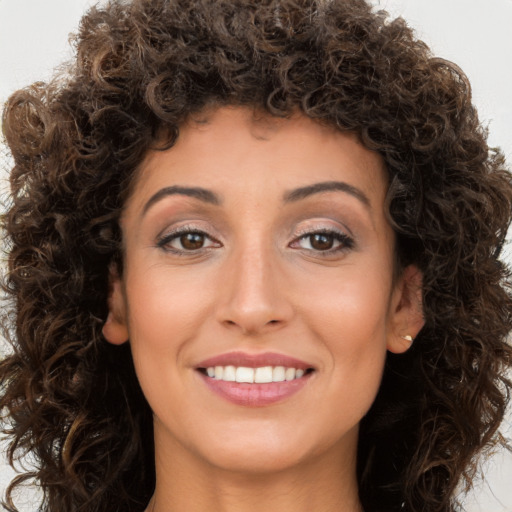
x=254, y=360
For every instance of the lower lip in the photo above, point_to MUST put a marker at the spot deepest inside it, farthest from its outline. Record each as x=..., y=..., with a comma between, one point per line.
x=255, y=395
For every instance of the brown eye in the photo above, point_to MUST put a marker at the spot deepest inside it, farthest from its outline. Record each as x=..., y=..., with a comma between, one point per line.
x=187, y=242
x=192, y=241
x=328, y=242
x=321, y=241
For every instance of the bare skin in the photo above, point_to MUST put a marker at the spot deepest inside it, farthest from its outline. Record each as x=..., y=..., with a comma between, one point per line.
x=267, y=238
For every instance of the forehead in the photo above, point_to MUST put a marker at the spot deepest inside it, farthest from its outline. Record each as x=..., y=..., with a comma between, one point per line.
x=228, y=146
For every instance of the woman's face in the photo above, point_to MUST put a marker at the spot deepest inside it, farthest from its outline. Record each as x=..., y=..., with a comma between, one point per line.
x=258, y=249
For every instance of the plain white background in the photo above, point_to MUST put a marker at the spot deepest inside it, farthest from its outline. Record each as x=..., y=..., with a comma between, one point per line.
x=476, y=34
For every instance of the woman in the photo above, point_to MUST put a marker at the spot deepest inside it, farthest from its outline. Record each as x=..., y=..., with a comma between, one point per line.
x=253, y=264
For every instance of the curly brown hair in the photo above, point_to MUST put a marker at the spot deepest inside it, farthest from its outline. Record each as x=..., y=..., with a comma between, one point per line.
x=142, y=68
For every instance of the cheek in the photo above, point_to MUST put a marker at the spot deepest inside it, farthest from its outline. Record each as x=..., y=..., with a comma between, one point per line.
x=350, y=318
x=164, y=314
x=349, y=307
x=165, y=306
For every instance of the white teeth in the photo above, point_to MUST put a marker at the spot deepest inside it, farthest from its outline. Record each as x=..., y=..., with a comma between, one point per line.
x=289, y=374
x=260, y=375
x=229, y=373
x=278, y=374
x=244, y=374
x=263, y=374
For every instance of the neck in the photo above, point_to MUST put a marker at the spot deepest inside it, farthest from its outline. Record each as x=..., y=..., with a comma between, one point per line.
x=185, y=483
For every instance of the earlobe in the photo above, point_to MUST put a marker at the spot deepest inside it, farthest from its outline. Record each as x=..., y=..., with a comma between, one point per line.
x=407, y=313
x=115, y=328
x=400, y=344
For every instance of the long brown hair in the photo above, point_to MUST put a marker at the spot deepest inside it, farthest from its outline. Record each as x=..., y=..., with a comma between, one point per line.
x=142, y=68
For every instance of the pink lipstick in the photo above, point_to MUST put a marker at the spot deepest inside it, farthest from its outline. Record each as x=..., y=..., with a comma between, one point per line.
x=254, y=380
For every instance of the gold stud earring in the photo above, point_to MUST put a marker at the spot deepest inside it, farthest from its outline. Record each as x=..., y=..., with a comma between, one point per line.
x=407, y=337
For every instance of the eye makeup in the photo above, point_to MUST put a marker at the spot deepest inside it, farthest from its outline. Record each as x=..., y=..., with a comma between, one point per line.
x=186, y=239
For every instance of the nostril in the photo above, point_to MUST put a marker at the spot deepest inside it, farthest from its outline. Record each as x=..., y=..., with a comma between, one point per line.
x=253, y=321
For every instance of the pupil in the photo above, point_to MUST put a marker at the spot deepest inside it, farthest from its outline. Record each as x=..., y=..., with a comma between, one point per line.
x=322, y=242
x=192, y=241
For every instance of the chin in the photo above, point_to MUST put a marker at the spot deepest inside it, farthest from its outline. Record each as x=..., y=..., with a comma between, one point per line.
x=265, y=448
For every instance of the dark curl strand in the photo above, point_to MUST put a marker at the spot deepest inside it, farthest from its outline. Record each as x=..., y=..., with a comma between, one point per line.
x=142, y=68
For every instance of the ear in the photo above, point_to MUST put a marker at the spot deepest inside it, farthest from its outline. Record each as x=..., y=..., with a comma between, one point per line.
x=407, y=311
x=115, y=329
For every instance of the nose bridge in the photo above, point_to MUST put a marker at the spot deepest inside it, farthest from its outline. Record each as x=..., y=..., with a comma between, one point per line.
x=254, y=295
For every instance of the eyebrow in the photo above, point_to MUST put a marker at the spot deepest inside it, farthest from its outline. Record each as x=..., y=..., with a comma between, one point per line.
x=297, y=194
x=326, y=186
x=200, y=193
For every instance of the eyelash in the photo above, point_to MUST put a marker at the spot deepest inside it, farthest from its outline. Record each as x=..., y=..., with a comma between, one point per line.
x=345, y=242
x=164, y=241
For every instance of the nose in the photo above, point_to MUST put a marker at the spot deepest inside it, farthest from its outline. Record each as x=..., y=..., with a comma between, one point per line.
x=254, y=293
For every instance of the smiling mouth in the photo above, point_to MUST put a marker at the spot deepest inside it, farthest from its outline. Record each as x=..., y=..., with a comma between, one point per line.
x=255, y=380
x=258, y=375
